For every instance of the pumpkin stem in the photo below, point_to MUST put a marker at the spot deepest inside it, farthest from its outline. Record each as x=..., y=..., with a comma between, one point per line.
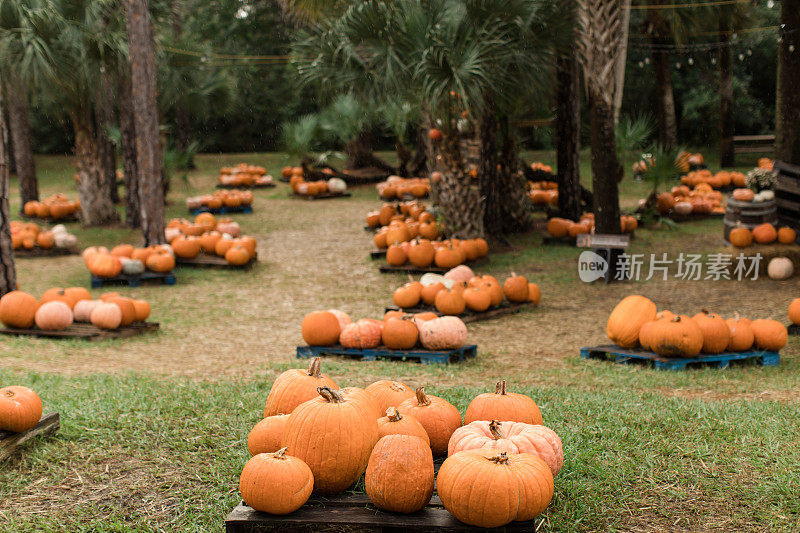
x=676, y=318
x=330, y=395
x=500, y=388
x=393, y=414
x=494, y=427
x=500, y=459
x=705, y=311
x=314, y=368
x=422, y=398
x=280, y=454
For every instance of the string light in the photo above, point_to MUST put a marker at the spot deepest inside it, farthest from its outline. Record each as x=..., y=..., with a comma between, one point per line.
x=690, y=61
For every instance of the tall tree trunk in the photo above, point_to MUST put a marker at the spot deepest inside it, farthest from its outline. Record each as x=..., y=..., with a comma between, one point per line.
x=488, y=175
x=787, y=115
x=133, y=213
x=8, y=275
x=93, y=187
x=622, y=59
x=17, y=101
x=360, y=155
x=143, y=89
x=567, y=130
x=104, y=116
x=667, y=125
x=606, y=169
x=726, y=156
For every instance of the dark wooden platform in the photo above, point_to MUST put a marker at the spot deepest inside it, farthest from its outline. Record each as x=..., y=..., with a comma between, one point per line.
x=51, y=220
x=408, y=268
x=693, y=217
x=246, y=187
x=405, y=198
x=223, y=210
x=24, y=253
x=204, y=260
x=722, y=360
x=505, y=308
x=167, y=278
x=323, y=196
x=371, y=354
x=10, y=442
x=86, y=331
x=793, y=329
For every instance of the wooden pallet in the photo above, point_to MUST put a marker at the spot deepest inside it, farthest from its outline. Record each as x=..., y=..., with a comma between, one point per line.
x=222, y=210
x=430, y=357
x=505, y=308
x=50, y=220
x=205, y=260
x=693, y=217
x=405, y=198
x=167, y=278
x=245, y=187
x=323, y=196
x=10, y=442
x=411, y=269
x=354, y=510
x=722, y=360
x=85, y=331
x=793, y=329
x=22, y=253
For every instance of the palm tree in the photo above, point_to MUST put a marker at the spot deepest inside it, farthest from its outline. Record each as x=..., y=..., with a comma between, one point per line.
x=8, y=275
x=787, y=123
x=20, y=129
x=568, y=134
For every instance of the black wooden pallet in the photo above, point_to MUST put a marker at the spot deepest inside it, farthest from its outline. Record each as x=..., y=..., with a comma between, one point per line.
x=693, y=217
x=244, y=187
x=9, y=442
x=51, y=220
x=550, y=240
x=405, y=198
x=354, y=510
x=45, y=252
x=411, y=269
x=722, y=360
x=323, y=196
x=85, y=331
x=167, y=278
x=204, y=260
x=222, y=210
x=371, y=354
x=793, y=329
x=505, y=308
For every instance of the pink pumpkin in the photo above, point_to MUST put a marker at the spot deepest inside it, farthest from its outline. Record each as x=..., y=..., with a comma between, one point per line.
x=342, y=317
x=510, y=437
x=53, y=316
x=362, y=334
x=460, y=274
x=444, y=333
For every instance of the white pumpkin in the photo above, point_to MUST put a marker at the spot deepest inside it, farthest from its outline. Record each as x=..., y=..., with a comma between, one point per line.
x=171, y=234
x=65, y=240
x=768, y=195
x=758, y=197
x=132, y=267
x=59, y=229
x=229, y=227
x=195, y=202
x=780, y=268
x=444, y=333
x=337, y=185
x=682, y=208
x=432, y=279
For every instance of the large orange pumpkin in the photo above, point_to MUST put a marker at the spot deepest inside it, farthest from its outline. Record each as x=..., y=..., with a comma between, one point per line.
x=18, y=309
x=741, y=334
x=769, y=334
x=627, y=318
x=399, y=476
x=320, y=328
x=765, y=233
x=400, y=333
x=389, y=393
x=294, y=387
x=503, y=405
x=675, y=336
x=716, y=334
x=266, y=435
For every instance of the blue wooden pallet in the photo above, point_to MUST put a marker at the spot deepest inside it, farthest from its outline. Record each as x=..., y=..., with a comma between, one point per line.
x=222, y=210
x=429, y=357
x=721, y=360
x=167, y=278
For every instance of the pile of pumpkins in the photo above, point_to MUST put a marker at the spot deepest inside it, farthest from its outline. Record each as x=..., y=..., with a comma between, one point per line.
x=397, y=331
x=543, y=193
x=20, y=409
x=244, y=175
x=413, y=213
x=316, y=437
x=300, y=186
x=742, y=237
x=397, y=187
x=423, y=253
x=55, y=207
x=560, y=228
x=208, y=235
x=541, y=167
x=128, y=260
x=682, y=200
x=58, y=308
x=747, y=195
x=720, y=180
x=460, y=289
x=635, y=322
x=231, y=198
x=28, y=235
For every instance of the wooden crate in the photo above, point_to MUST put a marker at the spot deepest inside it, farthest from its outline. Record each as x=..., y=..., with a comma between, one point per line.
x=421, y=355
x=84, y=331
x=10, y=442
x=22, y=253
x=323, y=196
x=722, y=360
x=505, y=308
x=204, y=260
x=411, y=269
x=167, y=278
x=223, y=210
x=787, y=195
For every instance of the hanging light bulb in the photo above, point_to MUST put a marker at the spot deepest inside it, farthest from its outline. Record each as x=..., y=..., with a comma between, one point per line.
x=641, y=64
x=713, y=60
x=678, y=64
x=690, y=61
x=646, y=60
x=741, y=57
x=770, y=4
x=749, y=52
x=791, y=48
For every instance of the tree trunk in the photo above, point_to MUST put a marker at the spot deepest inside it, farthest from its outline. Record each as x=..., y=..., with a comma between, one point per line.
x=488, y=176
x=8, y=275
x=605, y=167
x=726, y=156
x=104, y=116
x=567, y=132
x=17, y=101
x=516, y=215
x=360, y=155
x=787, y=115
x=93, y=187
x=133, y=214
x=667, y=125
x=418, y=166
x=622, y=59
x=143, y=90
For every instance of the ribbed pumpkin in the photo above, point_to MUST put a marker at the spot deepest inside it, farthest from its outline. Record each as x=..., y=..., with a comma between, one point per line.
x=677, y=336
x=716, y=334
x=477, y=299
x=104, y=265
x=18, y=309
x=53, y=316
x=450, y=302
x=389, y=393
x=334, y=434
x=400, y=333
x=399, y=476
x=515, y=289
x=128, y=310
x=186, y=247
x=429, y=292
x=20, y=409
x=421, y=253
x=294, y=387
x=237, y=255
x=358, y=394
x=276, y=483
x=627, y=318
x=786, y=235
x=106, y=316
x=765, y=233
x=142, y=310
x=445, y=333
x=321, y=328
x=395, y=423
x=769, y=334
x=439, y=417
x=408, y=295
x=511, y=437
x=488, y=489
x=794, y=311
x=503, y=405
x=361, y=334
x=395, y=255
x=266, y=435
x=122, y=250
x=741, y=334
x=160, y=262
x=534, y=294
x=83, y=310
